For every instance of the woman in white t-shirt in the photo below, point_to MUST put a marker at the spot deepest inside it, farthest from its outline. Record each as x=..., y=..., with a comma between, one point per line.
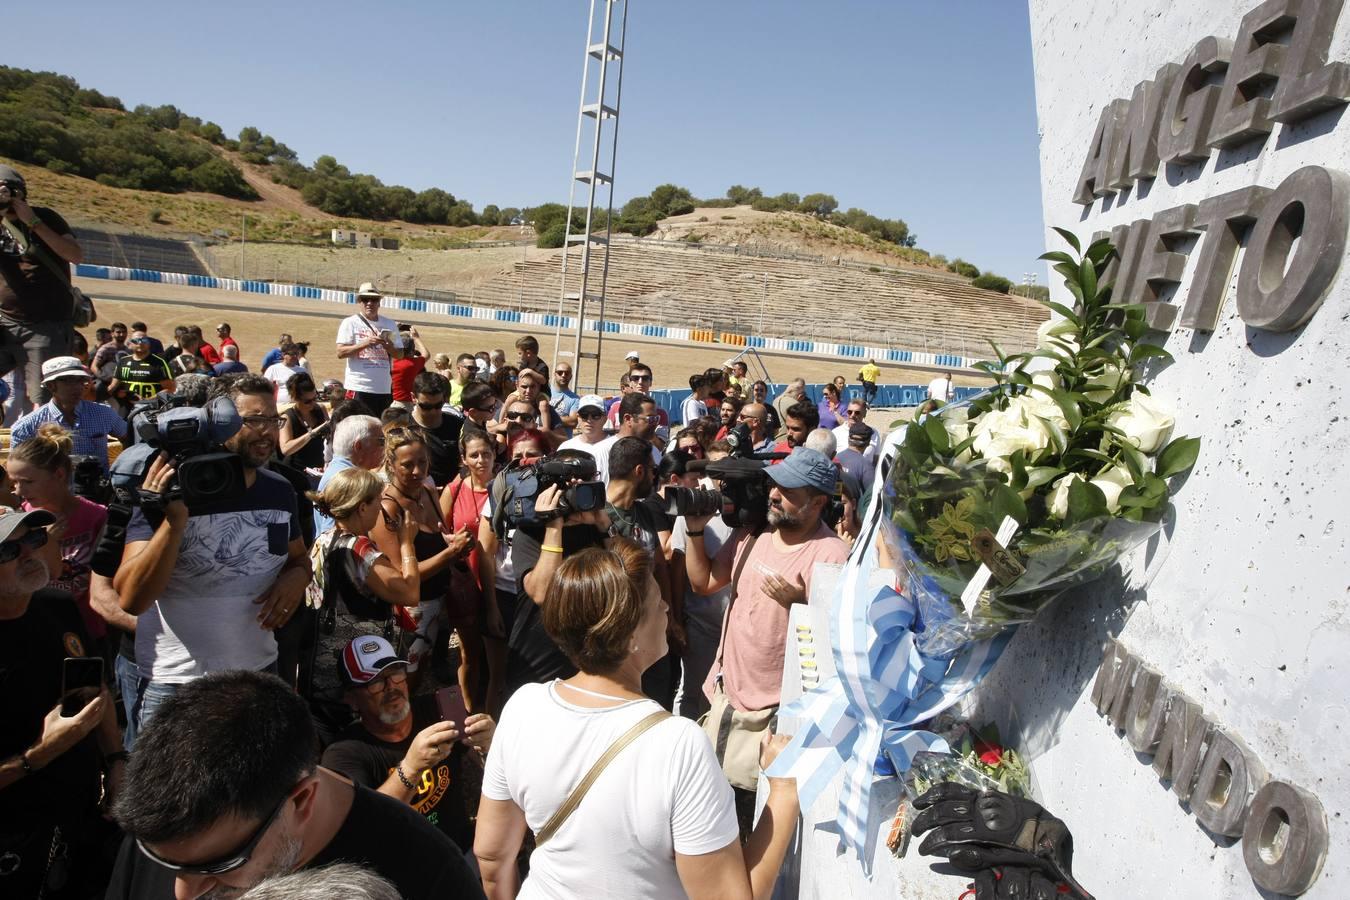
x=660, y=820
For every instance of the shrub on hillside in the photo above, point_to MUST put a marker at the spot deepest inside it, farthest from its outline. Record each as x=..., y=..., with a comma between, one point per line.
x=991, y=282
x=961, y=267
x=553, y=236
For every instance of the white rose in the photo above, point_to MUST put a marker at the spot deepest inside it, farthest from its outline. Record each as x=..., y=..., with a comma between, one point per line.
x=1055, y=334
x=1112, y=482
x=1057, y=501
x=957, y=425
x=1146, y=422
x=1001, y=433
x=1102, y=385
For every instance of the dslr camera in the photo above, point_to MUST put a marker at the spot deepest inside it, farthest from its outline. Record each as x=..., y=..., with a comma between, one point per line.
x=517, y=487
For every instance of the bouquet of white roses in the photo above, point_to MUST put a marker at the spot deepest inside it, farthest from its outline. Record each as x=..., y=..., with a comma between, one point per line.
x=1045, y=481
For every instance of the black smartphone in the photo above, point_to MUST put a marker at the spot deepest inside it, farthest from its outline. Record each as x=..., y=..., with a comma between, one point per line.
x=450, y=708
x=81, y=680
x=404, y=326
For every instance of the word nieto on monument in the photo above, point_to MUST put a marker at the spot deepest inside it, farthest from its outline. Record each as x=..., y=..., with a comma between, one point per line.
x=1282, y=826
x=1227, y=94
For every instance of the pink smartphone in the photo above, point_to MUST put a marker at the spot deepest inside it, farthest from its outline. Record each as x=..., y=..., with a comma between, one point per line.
x=450, y=707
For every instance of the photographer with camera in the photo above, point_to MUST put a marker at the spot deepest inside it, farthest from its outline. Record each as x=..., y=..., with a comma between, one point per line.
x=88, y=423
x=211, y=584
x=37, y=302
x=768, y=570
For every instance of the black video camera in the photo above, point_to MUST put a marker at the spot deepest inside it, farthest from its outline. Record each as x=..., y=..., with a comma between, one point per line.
x=743, y=500
x=88, y=480
x=516, y=488
x=193, y=438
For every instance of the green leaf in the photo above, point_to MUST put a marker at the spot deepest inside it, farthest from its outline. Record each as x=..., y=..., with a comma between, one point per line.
x=1057, y=256
x=1087, y=277
x=1069, y=238
x=1039, y=475
x=1004, y=501
x=1142, y=352
x=1086, y=501
x=937, y=434
x=1057, y=435
x=1178, y=456
x=1135, y=460
x=1019, y=469
x=1100, y=250
x=1085, y=453
x=1064, y=311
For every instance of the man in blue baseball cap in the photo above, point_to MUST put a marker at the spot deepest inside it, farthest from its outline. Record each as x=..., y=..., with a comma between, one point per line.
x=768, y=572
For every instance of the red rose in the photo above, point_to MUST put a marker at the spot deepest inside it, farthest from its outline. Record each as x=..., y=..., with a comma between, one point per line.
x=992, y=757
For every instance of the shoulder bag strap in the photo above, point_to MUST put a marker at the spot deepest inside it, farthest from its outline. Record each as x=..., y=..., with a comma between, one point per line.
x=574, y=799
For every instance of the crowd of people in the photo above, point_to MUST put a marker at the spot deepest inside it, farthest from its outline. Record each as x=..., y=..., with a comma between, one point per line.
x=366, y=623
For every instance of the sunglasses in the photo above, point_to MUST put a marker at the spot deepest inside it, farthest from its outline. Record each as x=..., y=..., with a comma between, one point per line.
x=235, y=860
x=855, y=412
x=519, y=416
x=591, y=414
x=639, y=378
x=486, y=409
x=10, y=550
x=428, y=406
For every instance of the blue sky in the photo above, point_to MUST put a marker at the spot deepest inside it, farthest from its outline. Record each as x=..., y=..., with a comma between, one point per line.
x=916, y=110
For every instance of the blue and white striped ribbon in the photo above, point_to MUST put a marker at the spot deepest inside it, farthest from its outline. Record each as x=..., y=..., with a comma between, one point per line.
x=884, y=687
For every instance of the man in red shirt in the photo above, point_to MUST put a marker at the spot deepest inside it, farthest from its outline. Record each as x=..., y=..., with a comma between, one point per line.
x=224, y=339
x=409, y=361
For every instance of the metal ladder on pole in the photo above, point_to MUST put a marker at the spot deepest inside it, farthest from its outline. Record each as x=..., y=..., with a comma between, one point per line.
x=598, y=116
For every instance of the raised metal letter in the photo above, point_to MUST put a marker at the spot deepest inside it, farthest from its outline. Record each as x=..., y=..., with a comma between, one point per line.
x=1225, y=219
x=1308, y=83
x=1285, y=840
x=1228, y=777
x=1183, y=133
x=1148, y=709
x=1183, y=738
x=1160, y=266
x=1136, y=152
x=1092, y=182
x=1242, y=113
x=1276, y=293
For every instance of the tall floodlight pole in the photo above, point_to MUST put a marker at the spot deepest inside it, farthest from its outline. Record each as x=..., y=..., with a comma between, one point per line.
x=606, y=49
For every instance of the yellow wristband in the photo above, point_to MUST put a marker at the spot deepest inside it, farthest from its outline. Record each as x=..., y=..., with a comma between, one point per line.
x=547, y=549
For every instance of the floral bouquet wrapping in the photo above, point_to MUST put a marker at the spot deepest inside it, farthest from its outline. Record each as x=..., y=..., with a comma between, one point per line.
x=1044, y=482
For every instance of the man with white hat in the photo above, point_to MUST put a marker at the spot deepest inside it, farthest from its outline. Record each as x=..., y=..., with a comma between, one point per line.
x=37, y=306
x=366, y=342
x=590, y=430
x=89, y=423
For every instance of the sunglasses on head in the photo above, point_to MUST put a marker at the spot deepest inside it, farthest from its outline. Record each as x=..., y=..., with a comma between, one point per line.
x=34, y=539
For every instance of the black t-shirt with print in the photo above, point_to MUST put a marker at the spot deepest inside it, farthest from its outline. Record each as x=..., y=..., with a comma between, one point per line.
x=532, y=656
x=35, y=647
x=369, y=762
x=379, y=834
x=142, y=377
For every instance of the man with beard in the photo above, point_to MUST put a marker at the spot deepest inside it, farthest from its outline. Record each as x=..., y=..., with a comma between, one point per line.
x=225, y=790
x=400, y=746
x=51, y=765
x=776, y=574
x=211, y=585
x=802, y=418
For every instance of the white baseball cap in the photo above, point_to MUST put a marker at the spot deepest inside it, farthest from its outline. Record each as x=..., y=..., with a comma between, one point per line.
x=593, y=400
x=631, y=354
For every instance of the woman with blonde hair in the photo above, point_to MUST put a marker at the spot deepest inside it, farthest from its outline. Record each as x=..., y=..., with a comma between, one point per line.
x=658, y=819
x=40, y=469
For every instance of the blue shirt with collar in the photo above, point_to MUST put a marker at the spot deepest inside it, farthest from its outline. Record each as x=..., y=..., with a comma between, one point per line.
x=89, y=427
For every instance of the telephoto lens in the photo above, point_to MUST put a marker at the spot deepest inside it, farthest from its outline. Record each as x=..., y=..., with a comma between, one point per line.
x=683, y=501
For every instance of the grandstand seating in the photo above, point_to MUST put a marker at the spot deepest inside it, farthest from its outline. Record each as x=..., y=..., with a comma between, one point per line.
x=727, y=293
x=134, y=251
